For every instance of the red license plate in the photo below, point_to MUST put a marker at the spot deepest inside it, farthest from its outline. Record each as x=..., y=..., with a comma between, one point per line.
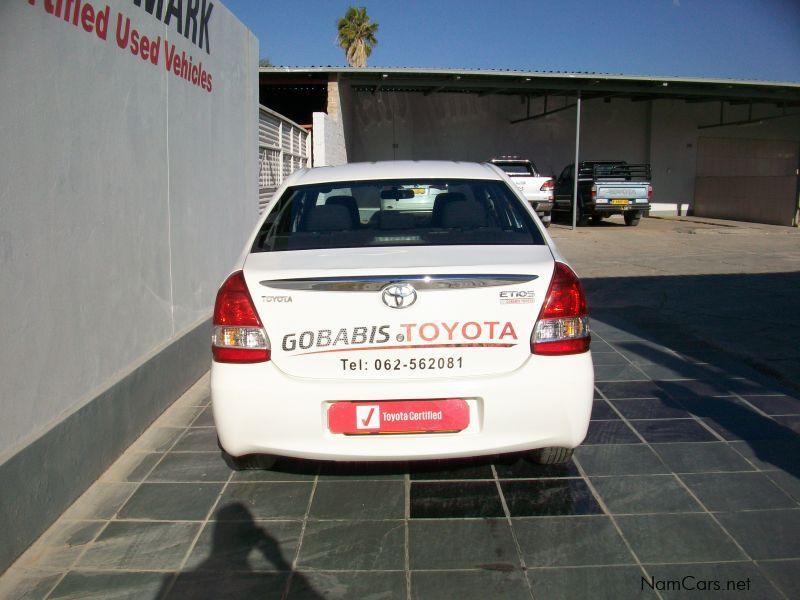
x=398, y=416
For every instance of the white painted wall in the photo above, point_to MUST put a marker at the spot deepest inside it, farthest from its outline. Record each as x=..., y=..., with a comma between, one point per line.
x=125, y=196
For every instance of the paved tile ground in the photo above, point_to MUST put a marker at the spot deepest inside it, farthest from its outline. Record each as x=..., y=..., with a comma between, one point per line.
x=689, y=477
x=692, y=479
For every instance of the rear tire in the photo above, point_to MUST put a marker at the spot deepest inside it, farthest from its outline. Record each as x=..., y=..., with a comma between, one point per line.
x=550, y=455
x=583, y=219
x=250, y=462
x=632, y=218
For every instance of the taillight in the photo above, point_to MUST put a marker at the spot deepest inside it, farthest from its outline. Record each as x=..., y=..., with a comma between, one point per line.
x=594, y=192
x=547, y=186
x=239, y=336
x=649, y=192
x=563, y=324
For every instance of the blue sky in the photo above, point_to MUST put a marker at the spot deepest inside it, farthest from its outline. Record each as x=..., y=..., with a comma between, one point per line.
x=739, y=39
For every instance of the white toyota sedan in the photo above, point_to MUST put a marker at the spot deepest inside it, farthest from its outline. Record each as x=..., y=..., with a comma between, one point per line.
x=359, y=325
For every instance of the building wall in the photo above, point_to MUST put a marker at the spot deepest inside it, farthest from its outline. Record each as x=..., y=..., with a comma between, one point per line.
x=126, y=193
x=470, y=127
x=665, y=133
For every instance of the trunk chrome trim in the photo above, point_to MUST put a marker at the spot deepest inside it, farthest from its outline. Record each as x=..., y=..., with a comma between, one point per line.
x=378, y=282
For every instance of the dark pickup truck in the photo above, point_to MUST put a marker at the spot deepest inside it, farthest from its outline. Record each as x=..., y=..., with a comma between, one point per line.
x=605, y=188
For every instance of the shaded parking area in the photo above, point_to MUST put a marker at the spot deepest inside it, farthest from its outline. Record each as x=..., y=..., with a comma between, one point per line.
x=689, y=477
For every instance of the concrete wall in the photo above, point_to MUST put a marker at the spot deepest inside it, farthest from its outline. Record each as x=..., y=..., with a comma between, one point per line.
x=328, y=141
x=126, y=192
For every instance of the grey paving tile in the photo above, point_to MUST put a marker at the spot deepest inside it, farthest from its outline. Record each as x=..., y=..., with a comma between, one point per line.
x=673, y=430
x=78, y=585
x=776, y=405
x=701, y=457
x=101, y=501
x=673, y=370
x=269, y=586
x=178, y=416
x=358, y=500
x=790, y=422
x=198, y=439
x=599, y=346
x=27, y=584
x=711, y=580
x=610, y=432
x=131, y=467
x=770, y=454
x=623, y=372
x=614, y=459
x=467, y=585
x=156, y=439
x=519, y=467
x=269, y=500
x=785, y=575
x=690, y=388
x=191, y=466
x=449, y=470
x=205, y=418
x=140, y=545
x=60, y=547
x=171, y=501
x=602, y=411
x=353, y=545
x=570, y=541
x=788, y=482
x=597, y=583
x=751, y=427
x=651, y=408
x=546, y=497
x=641, y=351
x=245, y=545
x=630, y=389
x=644, y=494
x=765, y=534
x=607, y=358
x=454, y=499
x=677, y=538
x=383, y=585
x=462, y=544
x=362, y=470
x=723, y=407
x=737, y=491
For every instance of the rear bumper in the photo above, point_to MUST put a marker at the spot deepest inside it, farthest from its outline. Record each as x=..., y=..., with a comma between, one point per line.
x=615, y=209
x=546, y=402
x=542, y=207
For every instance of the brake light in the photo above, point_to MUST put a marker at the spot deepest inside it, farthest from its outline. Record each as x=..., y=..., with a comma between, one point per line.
x=563, y=324
x=239, y=336
x=547, y=186
x=649, y=192
x=594, y=192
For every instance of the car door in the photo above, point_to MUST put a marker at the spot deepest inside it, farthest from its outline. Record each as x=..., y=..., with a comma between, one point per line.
x=564, y=188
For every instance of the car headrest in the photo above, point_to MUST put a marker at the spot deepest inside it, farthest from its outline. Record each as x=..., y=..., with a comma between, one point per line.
x=462, y=215
x=441, y=201
x=331, y=217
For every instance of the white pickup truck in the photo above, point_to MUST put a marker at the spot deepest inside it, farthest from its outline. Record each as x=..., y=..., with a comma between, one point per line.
x=537, y=190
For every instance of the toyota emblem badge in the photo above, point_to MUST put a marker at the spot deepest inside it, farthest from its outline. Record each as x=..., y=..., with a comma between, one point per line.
x=399, y=295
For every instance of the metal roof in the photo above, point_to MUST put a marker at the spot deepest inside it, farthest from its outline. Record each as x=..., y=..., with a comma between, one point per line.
x=542, y=83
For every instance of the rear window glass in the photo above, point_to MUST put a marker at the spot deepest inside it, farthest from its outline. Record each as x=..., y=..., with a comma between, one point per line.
x=360, y=214
x=517, y=168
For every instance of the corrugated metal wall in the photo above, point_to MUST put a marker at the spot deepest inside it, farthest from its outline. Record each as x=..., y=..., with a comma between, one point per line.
x=283, y=147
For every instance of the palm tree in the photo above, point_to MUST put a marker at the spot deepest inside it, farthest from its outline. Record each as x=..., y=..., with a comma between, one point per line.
x=357, y=36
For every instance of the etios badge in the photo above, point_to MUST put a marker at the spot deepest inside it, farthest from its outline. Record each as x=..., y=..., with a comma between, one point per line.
x=399, y=295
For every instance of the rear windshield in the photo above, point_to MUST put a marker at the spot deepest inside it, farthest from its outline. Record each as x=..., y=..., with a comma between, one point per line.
x=518, y=168
x=360, y=214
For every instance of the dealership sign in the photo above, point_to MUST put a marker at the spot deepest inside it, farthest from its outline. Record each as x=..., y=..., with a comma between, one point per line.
x=189, y=19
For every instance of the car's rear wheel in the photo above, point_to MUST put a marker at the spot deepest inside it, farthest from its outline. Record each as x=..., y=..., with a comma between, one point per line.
x=248, y=462
x=550, y=455
x=583, y=217
x=632, y=218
